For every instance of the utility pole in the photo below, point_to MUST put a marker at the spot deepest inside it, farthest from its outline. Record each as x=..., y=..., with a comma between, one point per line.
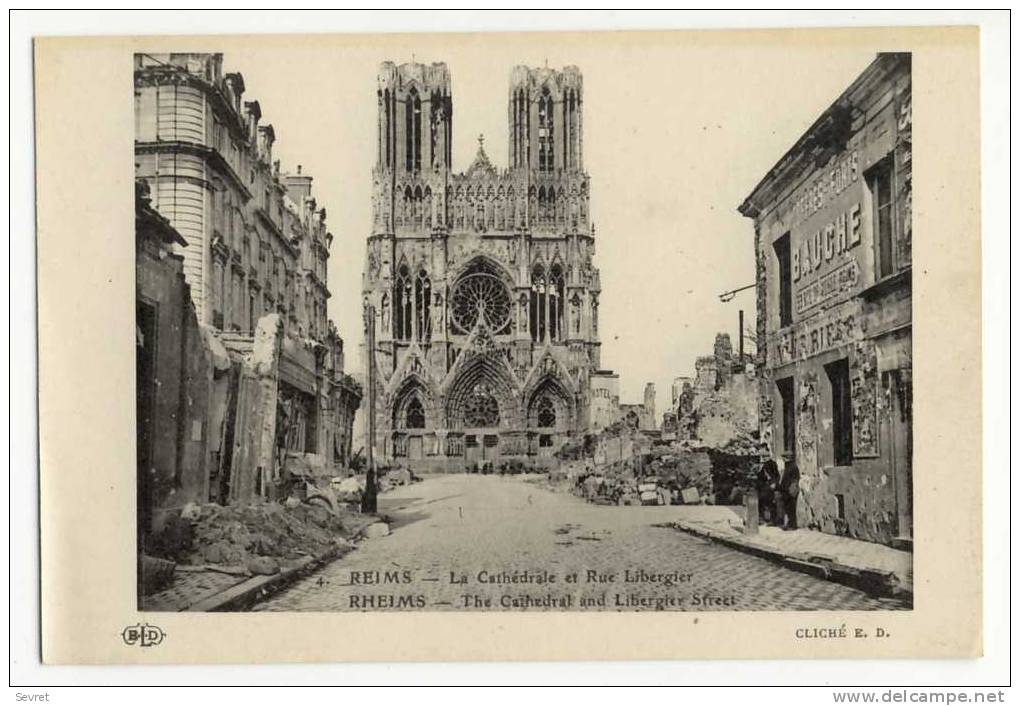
x=741, y=337
x=368, y=498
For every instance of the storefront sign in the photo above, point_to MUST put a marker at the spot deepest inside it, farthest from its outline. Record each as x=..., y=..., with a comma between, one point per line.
x=835, y=238
x=827, y=185
x=840, y=281
x=810, y=338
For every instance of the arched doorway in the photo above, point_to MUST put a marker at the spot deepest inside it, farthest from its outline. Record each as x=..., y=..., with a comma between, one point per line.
x=481, y=409
x=410, y=419
x=549, y=416
x=481, y=420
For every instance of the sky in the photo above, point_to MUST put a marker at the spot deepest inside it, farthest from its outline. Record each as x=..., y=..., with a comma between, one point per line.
x=678, y=129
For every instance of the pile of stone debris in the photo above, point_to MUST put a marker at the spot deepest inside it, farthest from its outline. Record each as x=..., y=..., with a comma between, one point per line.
x=665, y=472
x=348, y=491
x=252, y=539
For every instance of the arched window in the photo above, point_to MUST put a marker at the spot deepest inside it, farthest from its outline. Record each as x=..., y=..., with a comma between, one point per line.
x=413, y=131
x=414, y=417
x=545, y=412
x=481, y=408
x=538, y=303
x=422, y=297
x=434, y=108
x=388, y=127
x=416, y=206
x=545, y=132
x=556, y=294
x=402, y=297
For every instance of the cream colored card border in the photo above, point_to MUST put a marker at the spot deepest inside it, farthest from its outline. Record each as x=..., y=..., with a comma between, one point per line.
x=84, y=151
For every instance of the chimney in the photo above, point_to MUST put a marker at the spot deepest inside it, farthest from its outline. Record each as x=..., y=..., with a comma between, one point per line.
x=267, y=136
x=253, y=112
x=299, y=186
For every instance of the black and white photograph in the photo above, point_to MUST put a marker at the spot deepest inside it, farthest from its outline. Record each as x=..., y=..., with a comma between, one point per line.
x=373, y=345
x=523, y=336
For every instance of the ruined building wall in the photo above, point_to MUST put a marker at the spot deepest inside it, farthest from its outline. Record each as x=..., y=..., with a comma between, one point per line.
x=832, y=234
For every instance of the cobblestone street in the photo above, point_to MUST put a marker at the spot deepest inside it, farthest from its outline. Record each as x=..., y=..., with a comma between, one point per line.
x=490, y=543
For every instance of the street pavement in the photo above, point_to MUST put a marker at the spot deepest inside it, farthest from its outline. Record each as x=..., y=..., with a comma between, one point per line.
x=469, y=542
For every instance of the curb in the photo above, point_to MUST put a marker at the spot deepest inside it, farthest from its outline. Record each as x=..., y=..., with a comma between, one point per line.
x=248, y=592
x=875, y=582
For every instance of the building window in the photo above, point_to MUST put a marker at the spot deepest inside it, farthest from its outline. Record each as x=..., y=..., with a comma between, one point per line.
x=538, y=320
x=880, y=186
x=413, y=129
x=402, y=297
x=545, y=132
x=422, y=300
x=415, y=414
x=546, y=416
x=785, y=387
x=481, y=408
x=252, y=311
x=782, y=248
x=842, y=417
x=556, y=303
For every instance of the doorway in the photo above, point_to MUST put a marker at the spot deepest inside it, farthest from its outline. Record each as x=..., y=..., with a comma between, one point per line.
x=414, y=448
x=900, y=393
x=490, y=446
x=145, y=387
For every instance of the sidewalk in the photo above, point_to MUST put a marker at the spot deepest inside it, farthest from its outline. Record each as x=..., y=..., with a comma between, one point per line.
x=874, y=568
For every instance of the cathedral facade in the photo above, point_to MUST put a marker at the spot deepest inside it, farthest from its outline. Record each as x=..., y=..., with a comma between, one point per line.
x=485, y=295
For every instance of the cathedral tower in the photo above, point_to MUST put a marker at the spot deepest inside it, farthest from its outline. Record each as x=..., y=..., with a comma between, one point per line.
x=483, y=282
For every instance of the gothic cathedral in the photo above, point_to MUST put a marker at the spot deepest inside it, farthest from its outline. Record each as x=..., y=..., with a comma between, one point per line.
x=485, y=294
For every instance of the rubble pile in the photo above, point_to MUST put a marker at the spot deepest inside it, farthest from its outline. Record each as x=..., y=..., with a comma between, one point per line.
x=721, y=417
x=659, y=471
x=391, y=478
x=256, y=538
x=678, y=467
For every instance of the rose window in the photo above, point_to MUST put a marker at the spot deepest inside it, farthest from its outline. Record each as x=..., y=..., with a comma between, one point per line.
x=481, y=408
x=480, y=294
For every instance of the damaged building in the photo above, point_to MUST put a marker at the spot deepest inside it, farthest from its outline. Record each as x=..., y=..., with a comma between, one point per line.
x=231, y=275
x=832, y=223
x=641, y=416
x=720, y=404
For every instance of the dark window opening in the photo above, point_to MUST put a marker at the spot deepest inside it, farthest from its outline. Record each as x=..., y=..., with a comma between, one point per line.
x=840, y=506
x=842, y=417
x=402, y=297
x=387, y=126
x=880, y=186
x=546, y=155
x=422, y=303
x=545, y=440
x=546, y=416
x=782, y=248
x=785, y=387
x=415, y=414
x=145, y=381
x=413, y=127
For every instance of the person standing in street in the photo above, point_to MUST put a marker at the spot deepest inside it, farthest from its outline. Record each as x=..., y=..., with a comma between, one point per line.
x=768, y=479
x=789, y=489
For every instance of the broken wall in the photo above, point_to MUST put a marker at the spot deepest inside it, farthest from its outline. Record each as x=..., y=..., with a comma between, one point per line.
x=188, y=382
x=253, y=465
